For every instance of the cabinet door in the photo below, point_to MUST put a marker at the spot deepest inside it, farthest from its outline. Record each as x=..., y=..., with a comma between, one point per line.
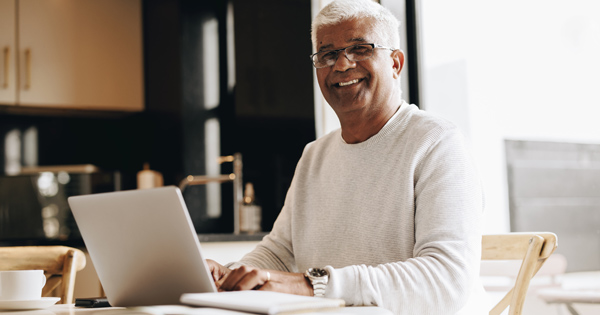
x=8, y=52
x=83, y=54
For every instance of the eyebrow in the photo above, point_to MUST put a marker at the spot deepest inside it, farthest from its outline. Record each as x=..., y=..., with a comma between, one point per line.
x=351, y=40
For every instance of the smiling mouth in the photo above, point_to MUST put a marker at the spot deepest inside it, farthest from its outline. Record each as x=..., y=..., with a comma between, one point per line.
x=348, y=83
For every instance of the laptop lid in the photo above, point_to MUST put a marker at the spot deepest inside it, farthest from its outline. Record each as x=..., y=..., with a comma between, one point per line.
x=143, y=245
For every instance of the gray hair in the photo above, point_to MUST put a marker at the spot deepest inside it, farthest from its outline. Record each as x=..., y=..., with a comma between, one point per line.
x=385, y=25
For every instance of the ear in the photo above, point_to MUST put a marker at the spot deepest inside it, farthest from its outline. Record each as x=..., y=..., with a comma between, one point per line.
x=398, y=62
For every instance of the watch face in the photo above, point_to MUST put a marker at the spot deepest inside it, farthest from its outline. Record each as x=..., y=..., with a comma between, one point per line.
x=318, y=272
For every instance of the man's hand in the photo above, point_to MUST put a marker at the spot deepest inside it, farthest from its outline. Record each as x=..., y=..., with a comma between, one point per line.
x=249, y=278
x=218, y=272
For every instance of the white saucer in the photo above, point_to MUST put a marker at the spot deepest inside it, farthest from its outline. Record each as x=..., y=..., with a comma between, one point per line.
x=28, y=304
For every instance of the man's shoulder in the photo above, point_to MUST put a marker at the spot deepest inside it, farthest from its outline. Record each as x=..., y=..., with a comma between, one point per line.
x=325, y=140
x=316, y=146
x=419, y=121
x=423, y=118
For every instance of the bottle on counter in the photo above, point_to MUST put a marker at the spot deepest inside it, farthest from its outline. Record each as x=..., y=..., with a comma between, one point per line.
x=148, y=178
x=250, y=212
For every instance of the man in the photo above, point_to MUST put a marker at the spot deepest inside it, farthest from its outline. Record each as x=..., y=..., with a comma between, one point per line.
x=385, y=211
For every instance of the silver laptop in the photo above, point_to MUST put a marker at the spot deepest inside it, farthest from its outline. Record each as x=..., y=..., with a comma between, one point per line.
x=143, y=245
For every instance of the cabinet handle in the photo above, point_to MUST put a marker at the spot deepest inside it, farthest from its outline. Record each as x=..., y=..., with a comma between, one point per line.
x=6, y=66
x=27, y=69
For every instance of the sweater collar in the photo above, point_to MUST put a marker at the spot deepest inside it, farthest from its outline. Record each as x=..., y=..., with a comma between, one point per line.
x=386, y=129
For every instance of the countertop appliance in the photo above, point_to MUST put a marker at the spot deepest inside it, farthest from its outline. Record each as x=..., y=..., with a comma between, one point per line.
x=33, y=204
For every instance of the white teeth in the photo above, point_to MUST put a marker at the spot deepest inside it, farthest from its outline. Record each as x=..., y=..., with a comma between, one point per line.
x=348, y=83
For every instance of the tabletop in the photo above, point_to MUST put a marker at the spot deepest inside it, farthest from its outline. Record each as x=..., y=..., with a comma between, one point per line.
x=70, y=309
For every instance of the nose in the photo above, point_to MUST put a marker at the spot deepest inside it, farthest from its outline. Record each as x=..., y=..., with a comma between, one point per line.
x=342, y=63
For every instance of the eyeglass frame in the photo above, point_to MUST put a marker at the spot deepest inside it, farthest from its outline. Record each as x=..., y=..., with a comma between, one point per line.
x=337, y=51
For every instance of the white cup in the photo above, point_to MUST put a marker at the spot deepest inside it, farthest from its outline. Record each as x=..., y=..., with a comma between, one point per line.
x=21, y=285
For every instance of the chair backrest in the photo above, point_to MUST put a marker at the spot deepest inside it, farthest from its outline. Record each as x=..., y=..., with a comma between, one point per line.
x=532, y=249
x=60, y=264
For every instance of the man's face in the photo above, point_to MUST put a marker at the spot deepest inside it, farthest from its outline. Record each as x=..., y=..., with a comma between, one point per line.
x=366, y=85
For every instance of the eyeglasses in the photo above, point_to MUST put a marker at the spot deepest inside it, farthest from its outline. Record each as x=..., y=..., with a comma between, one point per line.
x=327, y=58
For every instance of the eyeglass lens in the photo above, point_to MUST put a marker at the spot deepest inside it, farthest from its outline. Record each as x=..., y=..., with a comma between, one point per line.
x=353, y=53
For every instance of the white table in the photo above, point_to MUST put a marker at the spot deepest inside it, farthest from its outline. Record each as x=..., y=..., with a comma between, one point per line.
x=576, y=288
x=569, y=297
x=70, y=309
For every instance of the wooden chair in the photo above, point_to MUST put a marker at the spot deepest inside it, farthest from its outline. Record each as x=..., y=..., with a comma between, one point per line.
x=532, y=249
x=60, y=264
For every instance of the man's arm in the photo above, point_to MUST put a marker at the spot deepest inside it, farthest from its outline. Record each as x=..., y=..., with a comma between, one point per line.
x=274, y=255
x=443, y=270
x=275, y=251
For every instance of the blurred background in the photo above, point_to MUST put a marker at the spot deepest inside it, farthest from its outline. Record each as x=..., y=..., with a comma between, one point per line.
x=520, y=79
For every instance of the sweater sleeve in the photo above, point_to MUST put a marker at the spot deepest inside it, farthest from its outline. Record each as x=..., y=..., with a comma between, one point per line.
x=441, y=275
x=274, y=251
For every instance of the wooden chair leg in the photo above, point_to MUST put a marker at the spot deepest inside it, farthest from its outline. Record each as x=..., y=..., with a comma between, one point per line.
x=535, y=245
x=68, y=281
x=52, y=282
x=527, y=271
x=571, y=309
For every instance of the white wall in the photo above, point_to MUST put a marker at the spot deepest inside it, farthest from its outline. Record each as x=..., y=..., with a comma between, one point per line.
x=512, y=69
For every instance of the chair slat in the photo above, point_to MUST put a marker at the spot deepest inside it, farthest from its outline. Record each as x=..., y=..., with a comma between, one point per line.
x=60, y=264
x=48, y=258
x=532, y=249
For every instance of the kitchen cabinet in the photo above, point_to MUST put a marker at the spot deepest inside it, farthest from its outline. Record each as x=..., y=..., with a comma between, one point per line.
x=72, y=54
x=8, y=91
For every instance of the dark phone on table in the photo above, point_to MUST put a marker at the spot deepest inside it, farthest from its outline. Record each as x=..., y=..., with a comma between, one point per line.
x=92, y=302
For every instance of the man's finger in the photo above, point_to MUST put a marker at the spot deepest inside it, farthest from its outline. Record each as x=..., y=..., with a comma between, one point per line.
x=233, y=279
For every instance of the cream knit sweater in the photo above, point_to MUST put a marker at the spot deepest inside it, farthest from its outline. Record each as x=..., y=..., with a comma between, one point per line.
x=396, y=218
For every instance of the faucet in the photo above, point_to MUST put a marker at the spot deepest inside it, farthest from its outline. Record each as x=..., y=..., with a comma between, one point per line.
x=235, y=177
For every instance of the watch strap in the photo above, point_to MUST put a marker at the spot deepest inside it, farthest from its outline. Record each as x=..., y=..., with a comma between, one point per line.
x=319, y=283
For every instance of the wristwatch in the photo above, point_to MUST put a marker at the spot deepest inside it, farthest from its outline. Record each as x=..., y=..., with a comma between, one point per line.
x=318, y=277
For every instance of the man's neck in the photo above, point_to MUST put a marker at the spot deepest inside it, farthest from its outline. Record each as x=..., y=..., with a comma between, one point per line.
x=358, y=127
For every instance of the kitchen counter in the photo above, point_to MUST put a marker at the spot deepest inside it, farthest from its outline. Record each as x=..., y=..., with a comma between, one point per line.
x=231, y=237
x=78, y=243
